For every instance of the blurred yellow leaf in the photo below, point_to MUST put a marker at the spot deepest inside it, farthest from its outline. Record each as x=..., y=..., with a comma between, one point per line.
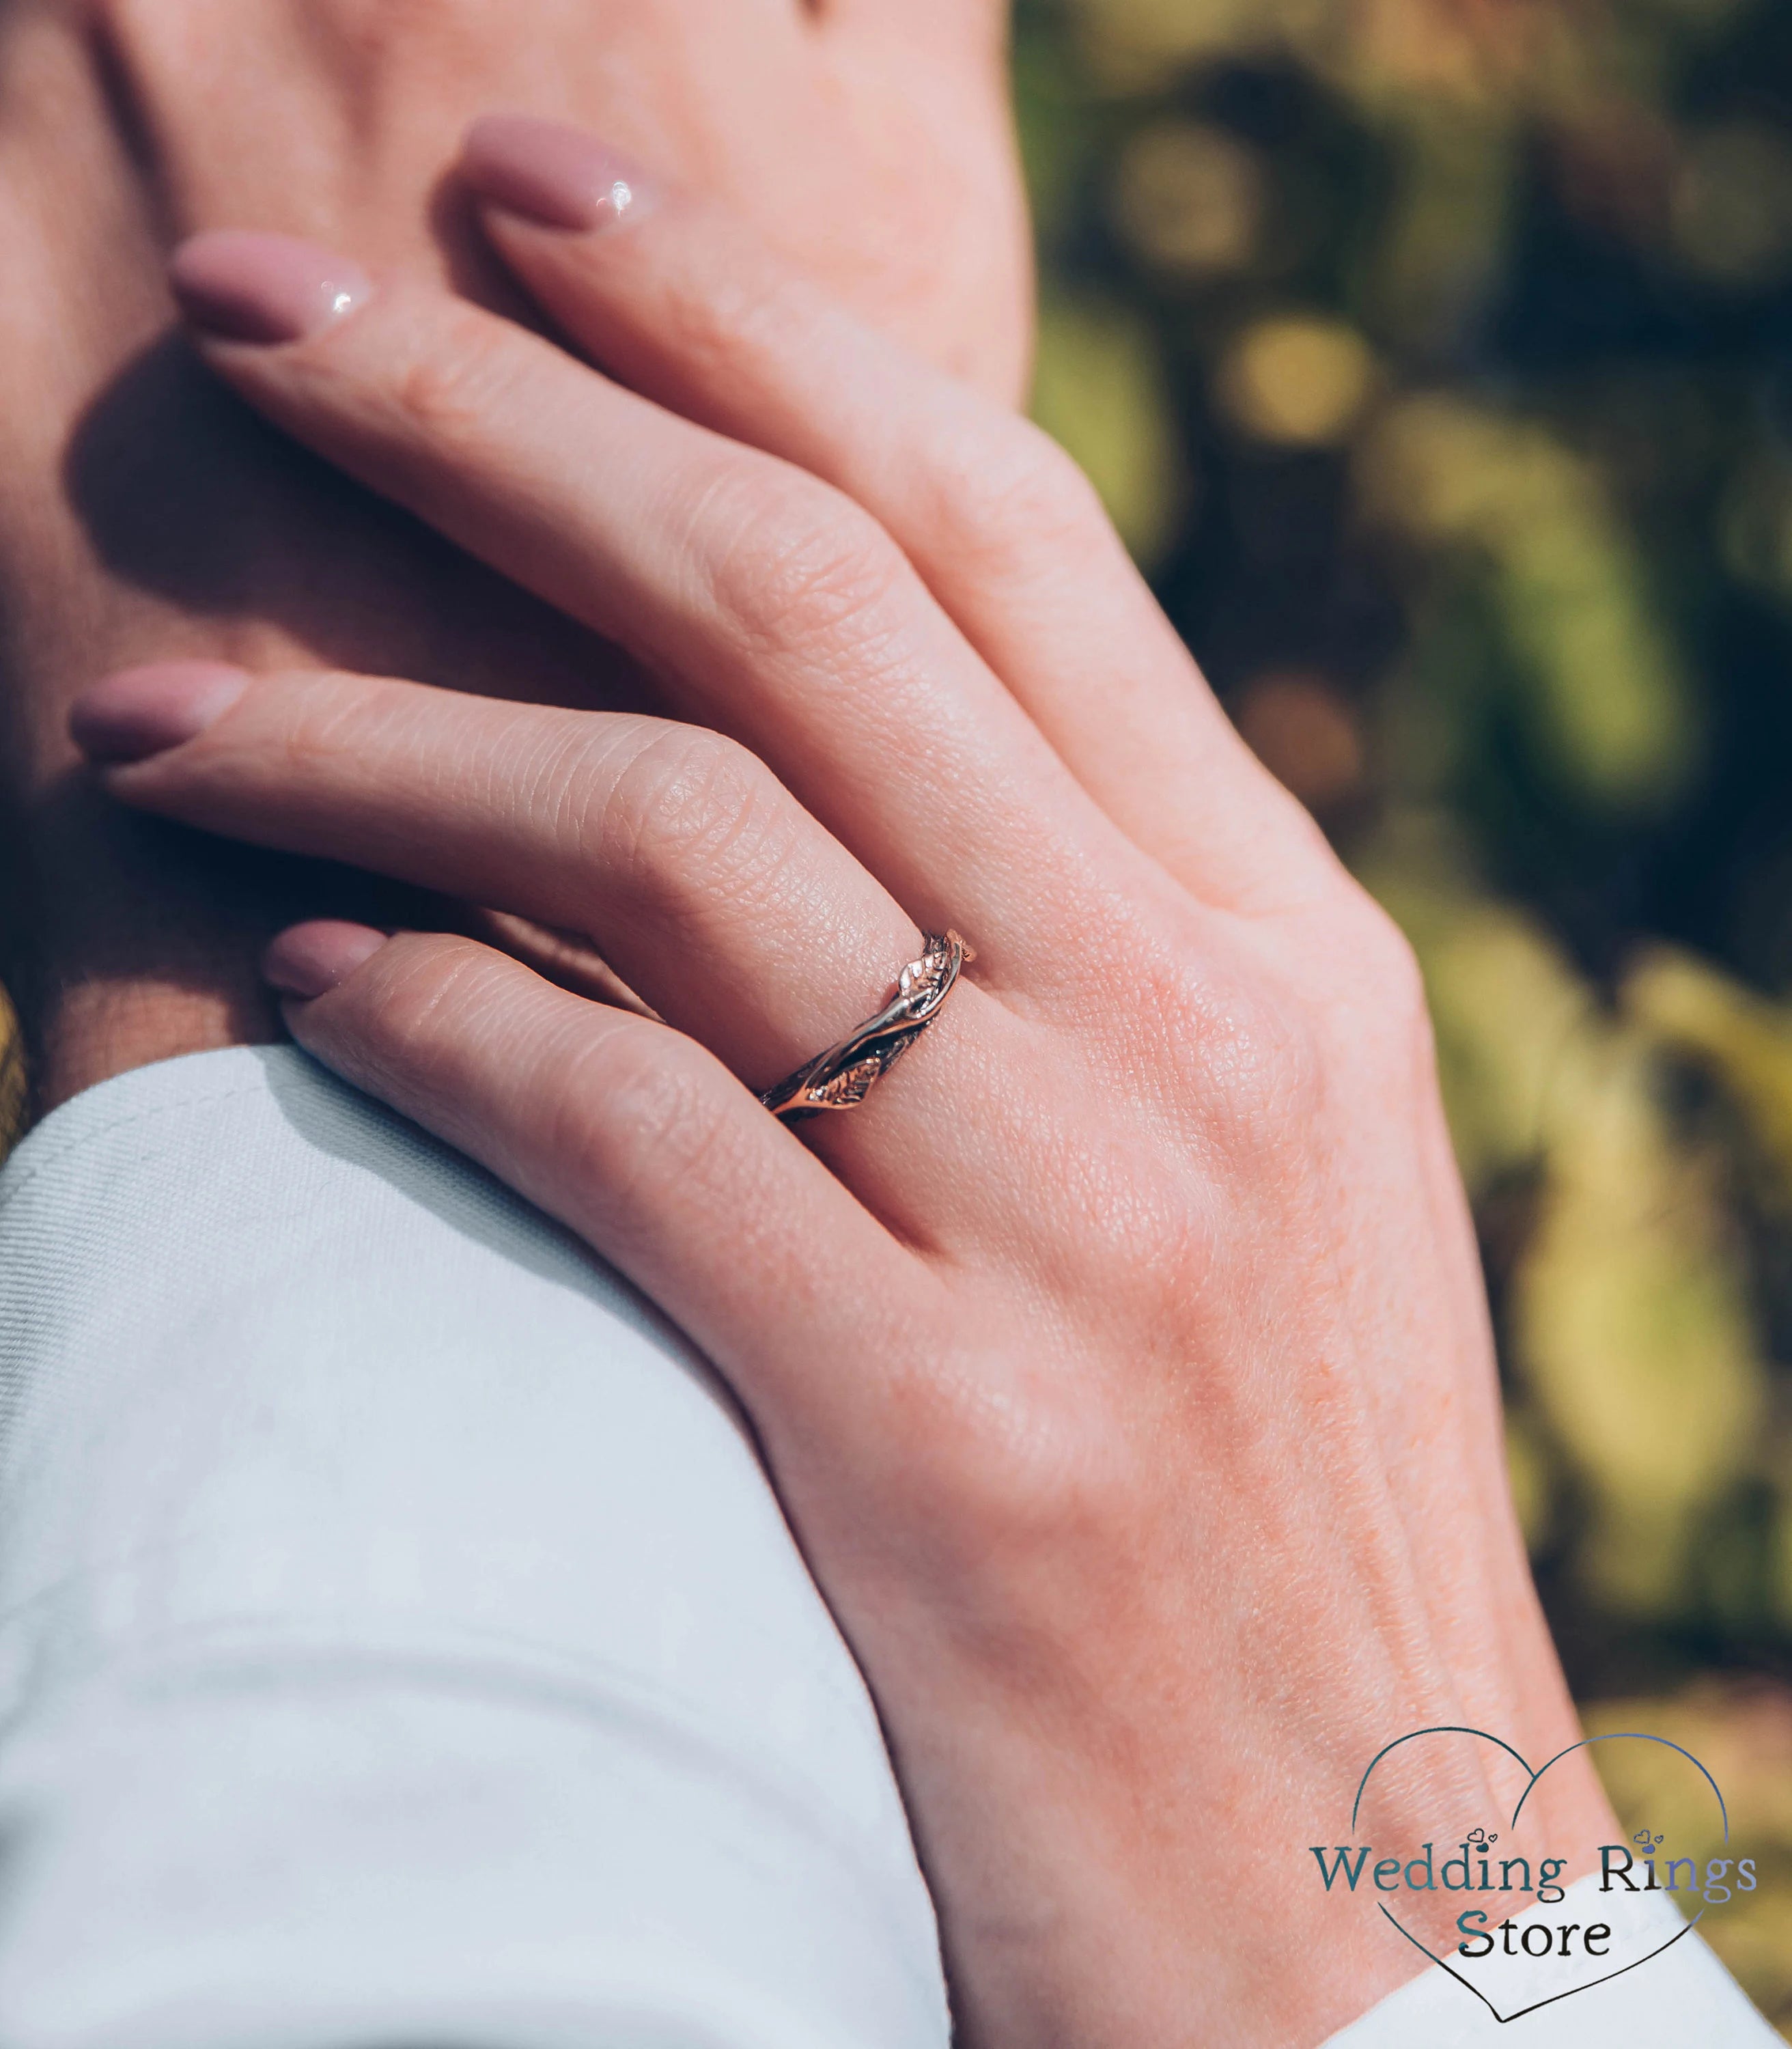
x=1632, y=1327
x=1745, y=1040
x=1297, y=379
x=1098, y=388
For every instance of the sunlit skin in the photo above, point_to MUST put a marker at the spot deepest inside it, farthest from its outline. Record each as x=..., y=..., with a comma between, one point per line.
x=1122, y=1364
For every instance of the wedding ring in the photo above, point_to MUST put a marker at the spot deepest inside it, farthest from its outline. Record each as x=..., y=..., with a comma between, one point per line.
x=842, y=1077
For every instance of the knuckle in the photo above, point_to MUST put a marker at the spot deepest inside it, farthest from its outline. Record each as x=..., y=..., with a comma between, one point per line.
x=1280, y=1038
x=1384, y=991
x=447, y=389
x=792, y=561
x=712, y=321
x=1390, y=968
x=328, y=724
x=1370, y=988
x=652, y=1115
x=1007, y=497
x=1251, y=1071
x=422, y=982
x=696, y=821
x=1224, y=1037
x=1285, y=1050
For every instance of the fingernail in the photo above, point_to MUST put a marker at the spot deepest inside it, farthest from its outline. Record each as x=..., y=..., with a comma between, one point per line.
x=145, y=711
x=556, y=175
x=263, y=288
x=312, y=959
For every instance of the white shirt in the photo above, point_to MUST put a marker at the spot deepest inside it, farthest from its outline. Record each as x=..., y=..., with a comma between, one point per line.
x=400, y=1643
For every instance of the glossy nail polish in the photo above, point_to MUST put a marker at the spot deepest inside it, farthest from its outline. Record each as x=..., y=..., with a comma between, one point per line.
x=269, y=289
x=310, y=960
x=554, y=176
x=145, y=711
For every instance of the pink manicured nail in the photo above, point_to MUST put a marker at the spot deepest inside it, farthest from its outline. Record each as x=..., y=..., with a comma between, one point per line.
x=145, y=711
x=311, y=960
x=556, y=175
x=263, y=288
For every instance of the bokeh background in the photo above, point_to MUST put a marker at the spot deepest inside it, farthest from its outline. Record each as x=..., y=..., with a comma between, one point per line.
x=1435, y=356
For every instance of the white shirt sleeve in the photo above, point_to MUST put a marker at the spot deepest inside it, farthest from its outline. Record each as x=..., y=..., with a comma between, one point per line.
x=1667, y=1990
x=400, y=1643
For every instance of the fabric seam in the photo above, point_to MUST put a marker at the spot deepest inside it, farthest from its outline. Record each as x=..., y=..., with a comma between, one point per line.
x=66, y=1149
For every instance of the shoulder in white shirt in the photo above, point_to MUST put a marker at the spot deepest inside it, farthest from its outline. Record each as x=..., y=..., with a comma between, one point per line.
x=400, y=1642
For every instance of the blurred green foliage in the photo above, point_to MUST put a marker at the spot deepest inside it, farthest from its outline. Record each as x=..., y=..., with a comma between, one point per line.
x=1436, y=358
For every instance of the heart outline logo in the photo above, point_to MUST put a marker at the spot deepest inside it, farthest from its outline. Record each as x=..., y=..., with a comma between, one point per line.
x=1532, y=1778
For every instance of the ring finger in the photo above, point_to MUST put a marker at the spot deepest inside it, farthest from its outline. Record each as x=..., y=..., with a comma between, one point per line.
x=708, y=888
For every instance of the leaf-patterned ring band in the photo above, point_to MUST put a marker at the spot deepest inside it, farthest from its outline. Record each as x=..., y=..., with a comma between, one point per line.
x=842, y=1077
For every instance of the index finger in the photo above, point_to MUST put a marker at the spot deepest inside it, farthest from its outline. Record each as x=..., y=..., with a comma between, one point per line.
x=772, y=605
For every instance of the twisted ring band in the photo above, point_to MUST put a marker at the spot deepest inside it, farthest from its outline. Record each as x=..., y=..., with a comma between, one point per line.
x=842, y=1077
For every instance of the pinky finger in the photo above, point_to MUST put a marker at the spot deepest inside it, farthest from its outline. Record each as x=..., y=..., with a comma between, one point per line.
x=635, y=1136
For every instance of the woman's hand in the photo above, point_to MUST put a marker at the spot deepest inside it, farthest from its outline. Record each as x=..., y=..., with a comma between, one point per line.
x=1122, y=1363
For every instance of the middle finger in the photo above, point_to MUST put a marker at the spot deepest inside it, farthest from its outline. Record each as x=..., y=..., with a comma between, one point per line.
x=772, y=605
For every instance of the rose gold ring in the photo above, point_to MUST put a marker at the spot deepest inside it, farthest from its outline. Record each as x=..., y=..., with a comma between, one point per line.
x=842, y=1077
